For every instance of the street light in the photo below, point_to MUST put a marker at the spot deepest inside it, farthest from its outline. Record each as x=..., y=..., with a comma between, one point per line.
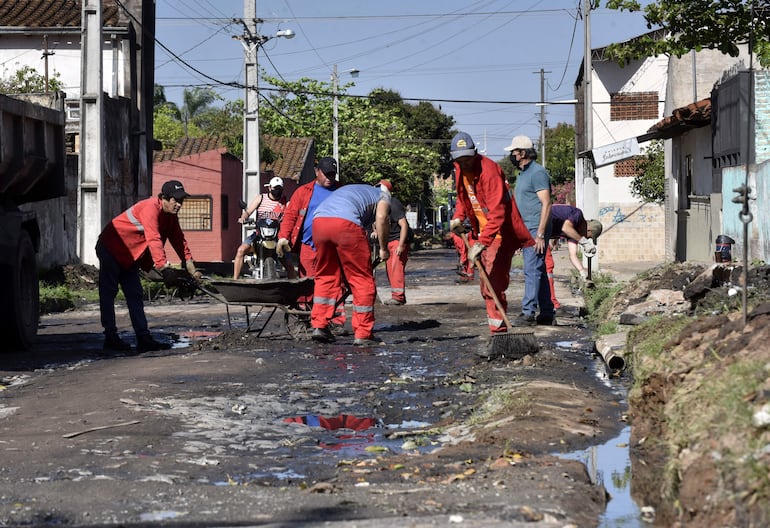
x=251, y=42
x=335, y=120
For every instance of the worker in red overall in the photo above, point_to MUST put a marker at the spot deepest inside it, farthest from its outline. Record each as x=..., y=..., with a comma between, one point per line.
x=135, y=240
x=484, y=199
x=296, y=232
x=340, y=230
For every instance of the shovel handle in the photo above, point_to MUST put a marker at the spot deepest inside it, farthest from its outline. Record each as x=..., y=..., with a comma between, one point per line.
x=485, y=280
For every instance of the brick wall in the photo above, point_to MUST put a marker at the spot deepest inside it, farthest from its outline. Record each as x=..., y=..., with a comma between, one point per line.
x=627, y=106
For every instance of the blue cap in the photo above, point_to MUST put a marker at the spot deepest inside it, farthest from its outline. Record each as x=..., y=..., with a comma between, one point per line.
x=462, y=145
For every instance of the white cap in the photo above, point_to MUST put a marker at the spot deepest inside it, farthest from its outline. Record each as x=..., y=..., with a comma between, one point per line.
x=275, y=181
x=519, y=143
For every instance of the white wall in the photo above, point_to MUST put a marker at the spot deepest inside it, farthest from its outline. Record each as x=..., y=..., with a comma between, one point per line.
x=19, y=51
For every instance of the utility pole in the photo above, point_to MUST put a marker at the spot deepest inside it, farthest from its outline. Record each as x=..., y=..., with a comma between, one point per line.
x=46, y=54
x=335, y=117
x=250, y=42
x=90, y=181
x=543, y=124
x=586, y=185
x=589, y=185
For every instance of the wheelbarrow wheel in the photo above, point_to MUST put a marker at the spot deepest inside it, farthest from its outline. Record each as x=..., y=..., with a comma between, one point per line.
x=298, y=325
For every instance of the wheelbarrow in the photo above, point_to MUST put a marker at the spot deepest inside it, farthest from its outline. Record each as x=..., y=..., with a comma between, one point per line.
x=292, y=297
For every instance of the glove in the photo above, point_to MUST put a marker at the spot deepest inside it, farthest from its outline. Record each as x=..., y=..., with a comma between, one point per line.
x=475, y=251
x=282, y=246
x=194, y=273
x=456, y=226
x=584, y=275
x=169, y=277
x=588, y=246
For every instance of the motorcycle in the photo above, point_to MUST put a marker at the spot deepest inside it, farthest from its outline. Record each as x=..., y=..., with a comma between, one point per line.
x=263, y=262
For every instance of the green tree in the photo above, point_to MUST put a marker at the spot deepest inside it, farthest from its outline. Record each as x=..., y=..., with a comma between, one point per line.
x=27, y=80
x=159, y=99
x=374, y=139
x=226, y=122
x=696, y=25
x=196, y=101
x=560, y=153
x=649, y=184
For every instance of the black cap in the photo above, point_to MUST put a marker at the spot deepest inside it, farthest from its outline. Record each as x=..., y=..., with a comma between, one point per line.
x=174, y=189
x=328, y=165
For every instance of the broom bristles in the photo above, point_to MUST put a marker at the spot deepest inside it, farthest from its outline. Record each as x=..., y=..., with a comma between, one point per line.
x=515, y=344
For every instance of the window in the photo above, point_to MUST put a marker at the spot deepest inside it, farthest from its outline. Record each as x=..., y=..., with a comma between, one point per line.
x=195, y=214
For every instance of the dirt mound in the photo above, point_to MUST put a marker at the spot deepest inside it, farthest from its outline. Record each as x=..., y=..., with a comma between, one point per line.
x=696, y=449
x=74, y=276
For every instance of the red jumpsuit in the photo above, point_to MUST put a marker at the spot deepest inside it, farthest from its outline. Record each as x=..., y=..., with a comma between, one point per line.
x=484, y=199
x=342, y=245
x=292, y=229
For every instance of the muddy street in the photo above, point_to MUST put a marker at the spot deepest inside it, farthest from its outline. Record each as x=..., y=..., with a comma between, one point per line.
x=233, y=428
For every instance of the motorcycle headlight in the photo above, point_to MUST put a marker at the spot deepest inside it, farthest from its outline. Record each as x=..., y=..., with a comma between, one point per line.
x=268, y=231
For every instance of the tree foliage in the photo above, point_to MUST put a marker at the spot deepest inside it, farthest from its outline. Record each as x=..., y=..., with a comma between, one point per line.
x=649, y=184
x=196, y=101
x=696, y=25
x=375, y=140
x=28, y=80
x=560, y=153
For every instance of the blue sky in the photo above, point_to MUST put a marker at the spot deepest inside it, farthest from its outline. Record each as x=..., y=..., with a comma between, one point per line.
x=479, y=61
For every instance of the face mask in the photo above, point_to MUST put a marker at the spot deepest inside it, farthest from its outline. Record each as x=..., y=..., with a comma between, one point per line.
x=276, y=193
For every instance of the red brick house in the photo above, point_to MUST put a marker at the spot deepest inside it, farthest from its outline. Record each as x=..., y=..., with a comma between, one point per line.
x=214, y=179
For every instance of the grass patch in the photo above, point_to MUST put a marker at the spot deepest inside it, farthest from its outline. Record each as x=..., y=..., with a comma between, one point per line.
x=598, y=301
x=716, y=407
x=647, y=342
x=505, y=400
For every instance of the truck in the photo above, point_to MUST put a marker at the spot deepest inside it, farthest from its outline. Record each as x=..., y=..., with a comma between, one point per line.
x=32, y=169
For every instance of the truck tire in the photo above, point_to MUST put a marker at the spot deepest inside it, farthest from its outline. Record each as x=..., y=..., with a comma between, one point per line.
x=20, y=312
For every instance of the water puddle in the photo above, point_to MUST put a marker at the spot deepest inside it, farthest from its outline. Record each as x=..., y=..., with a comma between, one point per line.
x=609, y=464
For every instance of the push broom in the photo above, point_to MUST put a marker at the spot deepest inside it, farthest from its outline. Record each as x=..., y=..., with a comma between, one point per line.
x=517, y=342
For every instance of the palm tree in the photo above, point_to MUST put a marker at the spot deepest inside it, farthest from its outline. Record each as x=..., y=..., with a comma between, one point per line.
x=196, y=101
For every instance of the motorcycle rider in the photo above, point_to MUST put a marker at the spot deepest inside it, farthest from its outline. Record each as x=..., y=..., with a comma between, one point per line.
x=267, y=205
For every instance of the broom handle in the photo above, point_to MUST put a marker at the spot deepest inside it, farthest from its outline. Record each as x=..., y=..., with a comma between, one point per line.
x=485, y=280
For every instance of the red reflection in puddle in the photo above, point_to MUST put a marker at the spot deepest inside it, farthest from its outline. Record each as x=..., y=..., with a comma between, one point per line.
x=343, y=421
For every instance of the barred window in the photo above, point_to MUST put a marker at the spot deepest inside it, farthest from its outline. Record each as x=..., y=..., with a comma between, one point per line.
x=195, y=214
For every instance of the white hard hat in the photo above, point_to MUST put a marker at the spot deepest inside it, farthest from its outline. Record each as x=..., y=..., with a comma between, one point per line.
x=275, y=181
x=519, y=143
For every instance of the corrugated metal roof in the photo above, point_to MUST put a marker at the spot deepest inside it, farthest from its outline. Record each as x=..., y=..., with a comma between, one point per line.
x=52, y=13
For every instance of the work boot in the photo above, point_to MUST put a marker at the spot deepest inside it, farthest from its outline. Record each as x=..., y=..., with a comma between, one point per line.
x=525, y=320
x=338, y=329
x=322, y=335
x=114, y=343
x=146, y=343
x=393, y=302
x=367, y=341
x=544, y=320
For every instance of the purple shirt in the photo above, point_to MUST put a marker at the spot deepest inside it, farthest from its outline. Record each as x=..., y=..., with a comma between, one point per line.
x=560, y=213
